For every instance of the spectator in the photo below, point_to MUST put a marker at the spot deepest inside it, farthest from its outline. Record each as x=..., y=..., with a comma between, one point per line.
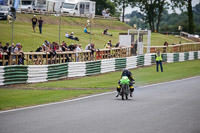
x=34, y=22
x=103, y=13
x=57, y=48
x=78, y=49
x=1, y=50
x=1, y=58
x=87, y=47
x=105, y=32
x=71, y=47
x=66, y=35
x=90, y=47
x=40, y=24
x=108, y=45
x=29, y=10
x=71, y=36
x=41, y=48
x=117, y=45
x=6, y=48
x=47, y=47
x=11, y=48
x=85, y=30
x=1, y=47
x=107, y=15
x=166, y=43
x=64, y=47
x=164, y=49
x=158, y=57
x=18, y=48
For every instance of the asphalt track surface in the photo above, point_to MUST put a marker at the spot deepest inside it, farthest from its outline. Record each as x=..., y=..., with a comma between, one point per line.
x=172, y=107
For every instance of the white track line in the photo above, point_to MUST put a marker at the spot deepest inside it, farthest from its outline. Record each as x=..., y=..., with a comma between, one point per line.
x=86, y=97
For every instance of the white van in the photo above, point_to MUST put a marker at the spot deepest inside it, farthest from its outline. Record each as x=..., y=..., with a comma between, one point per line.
x=79, y=8
x=26, y=4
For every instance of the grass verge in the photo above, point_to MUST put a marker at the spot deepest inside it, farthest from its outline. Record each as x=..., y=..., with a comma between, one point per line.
x=143, y=76
x=14, y=98
x=11, y=99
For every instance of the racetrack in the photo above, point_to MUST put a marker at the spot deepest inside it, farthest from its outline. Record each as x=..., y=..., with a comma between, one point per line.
x=172, y=107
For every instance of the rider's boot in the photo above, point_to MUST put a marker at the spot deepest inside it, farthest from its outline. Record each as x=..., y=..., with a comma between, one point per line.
x=118, y=91
x=131, y=91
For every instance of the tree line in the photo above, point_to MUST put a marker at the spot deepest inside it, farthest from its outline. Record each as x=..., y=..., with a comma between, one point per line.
x=152, y=10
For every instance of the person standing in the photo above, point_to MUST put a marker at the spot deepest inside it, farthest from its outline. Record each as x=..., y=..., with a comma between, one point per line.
x=159, y=61
x=34, y=22
x=40, y=24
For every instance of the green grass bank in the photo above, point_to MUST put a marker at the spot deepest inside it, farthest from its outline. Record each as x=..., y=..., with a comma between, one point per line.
x=22, y=97
x=24, y=34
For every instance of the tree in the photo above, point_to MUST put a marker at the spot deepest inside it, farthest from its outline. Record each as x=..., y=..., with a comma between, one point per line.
x=188, y=3
x=104, y=4
x=124, y=4
x=152, y=10
x=161, y=6
x=190, y=17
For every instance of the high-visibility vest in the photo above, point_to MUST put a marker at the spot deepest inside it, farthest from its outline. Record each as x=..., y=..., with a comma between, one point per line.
x=158, y=58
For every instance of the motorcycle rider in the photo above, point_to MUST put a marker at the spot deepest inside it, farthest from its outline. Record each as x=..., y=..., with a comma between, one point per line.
x=127, y=73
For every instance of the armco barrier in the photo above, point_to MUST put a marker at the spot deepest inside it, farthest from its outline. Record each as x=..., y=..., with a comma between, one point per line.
x=191, y=55
x=57, y=71
x=37, y=73
x=42, y=73
x=2, y=72
x=76, y=69
x=93, y=67
x=198, y=54
x=15, y=74
x=147, y=59
x=176, y=57
x=140, y=60
x=195, y=55
x=131, y=62
x=186, y=56
x=181, y=57
x=107, y=65
x=120, y=63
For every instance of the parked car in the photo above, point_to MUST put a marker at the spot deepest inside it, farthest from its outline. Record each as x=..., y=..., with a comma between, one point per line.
x=4, y=12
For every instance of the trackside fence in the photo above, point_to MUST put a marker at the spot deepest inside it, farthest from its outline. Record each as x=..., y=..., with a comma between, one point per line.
x=46, y=58
x=41, y=73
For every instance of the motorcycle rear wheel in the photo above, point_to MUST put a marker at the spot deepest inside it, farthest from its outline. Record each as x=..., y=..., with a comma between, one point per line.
x=126, y=97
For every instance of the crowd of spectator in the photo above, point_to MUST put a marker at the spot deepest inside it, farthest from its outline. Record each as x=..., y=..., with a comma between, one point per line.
x=106, y=13
x=51, y=47
x=17, y=49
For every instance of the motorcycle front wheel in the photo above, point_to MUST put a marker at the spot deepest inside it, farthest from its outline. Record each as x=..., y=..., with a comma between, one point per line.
x=122, y=96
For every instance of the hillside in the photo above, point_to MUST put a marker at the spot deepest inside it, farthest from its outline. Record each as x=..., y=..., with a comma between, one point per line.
x=75, y=21
x=24, y=34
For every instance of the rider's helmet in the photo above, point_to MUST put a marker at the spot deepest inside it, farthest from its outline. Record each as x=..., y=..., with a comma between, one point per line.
x=125, y=72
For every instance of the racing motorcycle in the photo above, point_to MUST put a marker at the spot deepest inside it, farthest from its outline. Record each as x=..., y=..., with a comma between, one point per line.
x=125, y=90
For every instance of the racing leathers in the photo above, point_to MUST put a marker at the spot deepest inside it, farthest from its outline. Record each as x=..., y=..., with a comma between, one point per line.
x=132, y=81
